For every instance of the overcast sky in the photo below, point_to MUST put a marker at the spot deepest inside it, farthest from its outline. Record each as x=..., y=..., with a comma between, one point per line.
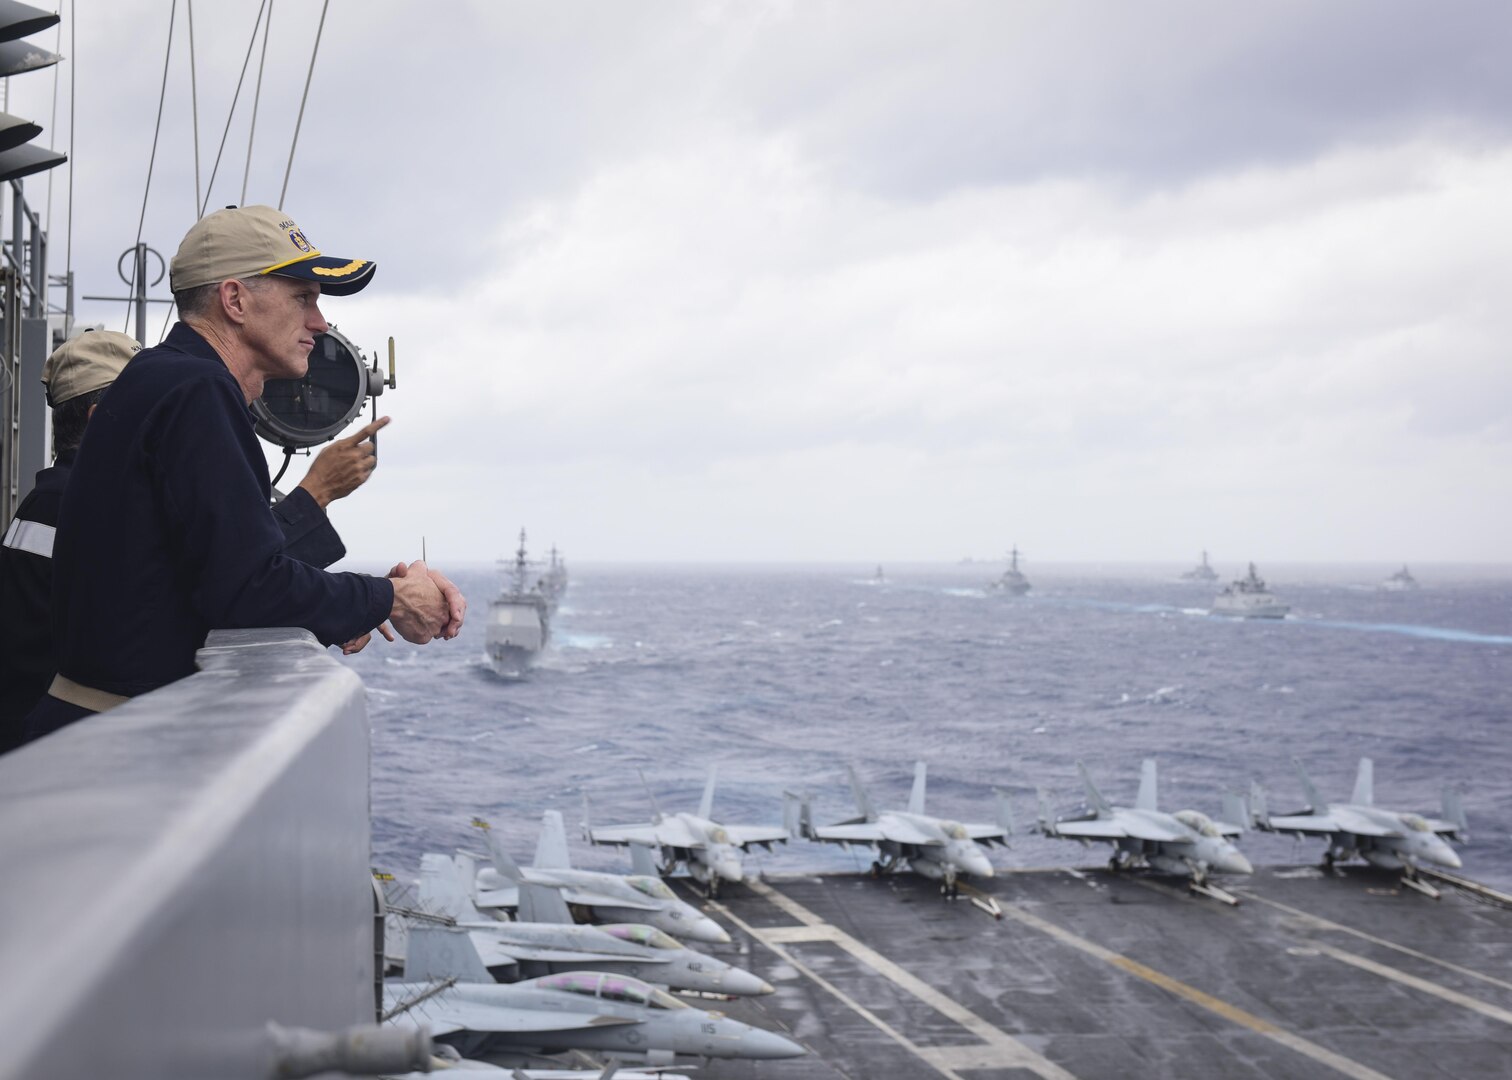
x=869, y=281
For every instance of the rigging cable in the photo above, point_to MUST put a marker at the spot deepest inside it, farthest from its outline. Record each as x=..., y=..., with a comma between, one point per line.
x=256, y=99
x=251, y=44
x=194, y=103
x=52, y=124
x=157, y=129
x=305, y=97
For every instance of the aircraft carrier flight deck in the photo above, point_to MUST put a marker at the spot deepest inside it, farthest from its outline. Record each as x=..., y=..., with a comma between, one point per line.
x=1093, y=974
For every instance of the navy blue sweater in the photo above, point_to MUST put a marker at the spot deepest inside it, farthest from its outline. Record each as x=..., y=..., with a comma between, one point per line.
x=165, y=532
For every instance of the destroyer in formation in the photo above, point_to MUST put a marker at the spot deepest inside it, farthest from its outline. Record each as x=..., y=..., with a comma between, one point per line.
x=1401, y=581
x=1013, y=582
x=1203, y=571
x=519, y=620
x=1249, y=598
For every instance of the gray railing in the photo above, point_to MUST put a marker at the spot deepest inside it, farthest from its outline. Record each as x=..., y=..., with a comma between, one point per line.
x=179, y=873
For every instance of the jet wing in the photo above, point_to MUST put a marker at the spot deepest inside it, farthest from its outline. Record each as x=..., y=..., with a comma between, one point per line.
x=1306, y=823
x=498, y=898
x=670, y=832
x=742, y=835
x=894, y=829
x=864, y=832
x=1118, y=829
x=984, y=832
x=476, y=1016
x=549, y=955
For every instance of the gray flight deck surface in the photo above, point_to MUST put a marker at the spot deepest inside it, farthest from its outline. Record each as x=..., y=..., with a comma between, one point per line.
x=1093, y=974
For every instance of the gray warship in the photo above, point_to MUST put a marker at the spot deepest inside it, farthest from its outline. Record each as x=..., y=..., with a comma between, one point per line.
x=1013, y=582
x=1203, y=571
x=519, y=619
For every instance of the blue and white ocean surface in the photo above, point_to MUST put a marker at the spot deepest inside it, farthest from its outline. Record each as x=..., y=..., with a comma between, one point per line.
x=783, y=675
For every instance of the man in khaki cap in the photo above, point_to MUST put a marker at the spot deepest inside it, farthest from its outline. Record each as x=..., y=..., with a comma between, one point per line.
x=76, y=376
x=165, y=531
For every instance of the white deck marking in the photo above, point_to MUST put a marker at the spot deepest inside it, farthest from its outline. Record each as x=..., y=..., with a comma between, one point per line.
x=1233, y=1013
x=1324, y=924
x=997, y=1049
x=1428, y=987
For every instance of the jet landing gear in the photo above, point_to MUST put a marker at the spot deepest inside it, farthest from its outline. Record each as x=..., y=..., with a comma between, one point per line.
x=1198, y=883
x=1412, y=880
x=950, y=889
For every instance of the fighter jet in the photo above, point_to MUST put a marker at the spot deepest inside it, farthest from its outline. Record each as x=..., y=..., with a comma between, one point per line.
x=639, y=897
x=1186, y=843
x=579, y=1010
x=1385, y=838
x=709, y=850
x=545, y=941
x=933, y=847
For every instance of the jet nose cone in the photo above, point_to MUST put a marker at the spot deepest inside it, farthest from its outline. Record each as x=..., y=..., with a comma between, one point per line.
x=1237, y=864
x=767, y=1045
x=730, y=871
x=706, y=930
x=1447, y=856
x=743, y=984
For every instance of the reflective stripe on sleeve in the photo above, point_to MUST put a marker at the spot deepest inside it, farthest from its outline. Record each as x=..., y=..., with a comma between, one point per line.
x=31, y=536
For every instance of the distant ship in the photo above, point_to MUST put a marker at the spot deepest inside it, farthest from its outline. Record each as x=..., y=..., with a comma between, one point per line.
x=518, y=620
x=1013, y=582
x=1201, y=572
x=1401, y=581
x=881, y=578
x=1248, y=598
x=553, y=585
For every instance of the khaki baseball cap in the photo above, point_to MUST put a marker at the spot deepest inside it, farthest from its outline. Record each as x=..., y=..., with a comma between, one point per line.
x=248, y=241
x=86, y=363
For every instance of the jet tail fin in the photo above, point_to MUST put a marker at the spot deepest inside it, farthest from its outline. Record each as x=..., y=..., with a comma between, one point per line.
x=643, y=860
x=1235, y=810
x=863, y=800
x=1454, y=813
x=443, y=890
x=1259, y=813
x=916, y=796
x=1094, y=796
x=1004, y=815
x=797, y=816
x=1314, y=800
x=540, y=904
x=1045, y=822
x=656, y=814
x=551, y=847
x=706, y=804
x=502, y=862
x=1146, y=799
x=439, y=952
x=1364, y=789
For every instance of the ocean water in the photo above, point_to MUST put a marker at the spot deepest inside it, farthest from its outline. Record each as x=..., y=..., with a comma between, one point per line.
x=781, y=676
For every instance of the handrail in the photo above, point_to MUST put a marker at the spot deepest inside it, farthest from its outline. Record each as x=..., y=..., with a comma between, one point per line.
x=189, y=867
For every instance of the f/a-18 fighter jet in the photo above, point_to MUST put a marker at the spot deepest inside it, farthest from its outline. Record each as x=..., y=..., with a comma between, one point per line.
x=544, y=940
x=578, y=1010
x=1389, y=839
x=933, y=847
x=639, y=897
x=1187, y=843
x=711, y=851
